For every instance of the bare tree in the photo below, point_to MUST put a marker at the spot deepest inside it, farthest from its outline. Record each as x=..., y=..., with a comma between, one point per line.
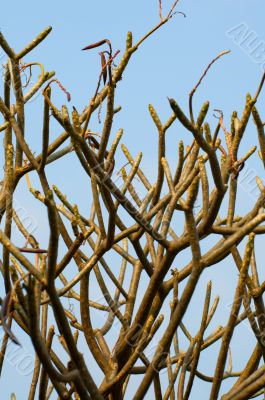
x=139, y=231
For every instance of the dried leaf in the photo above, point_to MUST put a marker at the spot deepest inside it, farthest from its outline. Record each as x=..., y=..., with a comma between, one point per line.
x=5, y=309
x=103, y=66
x=5, y=306
x=97, y=44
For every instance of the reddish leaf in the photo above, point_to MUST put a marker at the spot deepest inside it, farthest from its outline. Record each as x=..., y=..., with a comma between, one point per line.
x=97, y=44
x=103, y=66
x=5, y=309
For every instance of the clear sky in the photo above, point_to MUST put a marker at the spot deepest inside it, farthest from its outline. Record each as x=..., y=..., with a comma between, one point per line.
x=168, y=64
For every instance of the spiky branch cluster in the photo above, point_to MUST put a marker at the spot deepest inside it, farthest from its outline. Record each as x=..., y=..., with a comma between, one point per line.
x=147, y=246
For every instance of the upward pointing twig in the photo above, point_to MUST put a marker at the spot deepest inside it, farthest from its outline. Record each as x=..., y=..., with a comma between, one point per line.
x=259, y=88
x=160, y=10
x=200, y=80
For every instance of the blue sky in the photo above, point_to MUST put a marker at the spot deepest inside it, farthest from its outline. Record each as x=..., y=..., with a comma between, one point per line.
x=167, y=64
